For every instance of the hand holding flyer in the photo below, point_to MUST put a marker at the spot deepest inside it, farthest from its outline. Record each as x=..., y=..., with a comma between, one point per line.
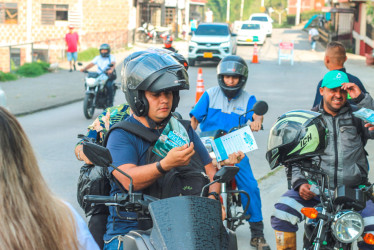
x=365, y=114
x=174, y=135
x=239, y=140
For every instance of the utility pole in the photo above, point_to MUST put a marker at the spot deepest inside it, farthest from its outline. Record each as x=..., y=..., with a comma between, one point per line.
x=228, y=12
x=241, y=10
x=298, y=7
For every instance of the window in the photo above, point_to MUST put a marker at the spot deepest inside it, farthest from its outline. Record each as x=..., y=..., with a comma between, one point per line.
x=170, y=15
x=54, y=12
x=8, y=13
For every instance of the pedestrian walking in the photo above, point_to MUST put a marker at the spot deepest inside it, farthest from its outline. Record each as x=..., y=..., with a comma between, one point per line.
x=72, y=43
x=313, y=37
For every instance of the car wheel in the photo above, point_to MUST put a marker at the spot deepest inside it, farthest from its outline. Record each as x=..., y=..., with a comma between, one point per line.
x=191, y=62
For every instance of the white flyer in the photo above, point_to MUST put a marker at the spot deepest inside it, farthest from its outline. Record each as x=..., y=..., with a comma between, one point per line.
x=239, y=140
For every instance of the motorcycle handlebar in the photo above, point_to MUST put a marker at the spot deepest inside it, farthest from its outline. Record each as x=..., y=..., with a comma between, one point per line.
x=100, y=199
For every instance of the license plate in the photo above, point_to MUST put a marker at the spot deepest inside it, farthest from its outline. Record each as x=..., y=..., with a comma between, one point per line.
x=248, y=40
x=255, y=38
x=208, y=54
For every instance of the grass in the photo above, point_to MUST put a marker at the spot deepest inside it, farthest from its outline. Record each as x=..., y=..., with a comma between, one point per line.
x=33, y=69
x=88, y=54
x=268, y=175
x=7, y=77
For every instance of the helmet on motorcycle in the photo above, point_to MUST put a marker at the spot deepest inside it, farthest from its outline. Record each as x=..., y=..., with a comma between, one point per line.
x=104, y=46
x=180, y=58
x=168, y=40
x=296, y=135
x=232, y=66
x=155, y=72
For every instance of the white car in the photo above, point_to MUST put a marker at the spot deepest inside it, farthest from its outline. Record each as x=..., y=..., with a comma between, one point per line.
x=211, y=42
x=265, y=19
x=251, y=33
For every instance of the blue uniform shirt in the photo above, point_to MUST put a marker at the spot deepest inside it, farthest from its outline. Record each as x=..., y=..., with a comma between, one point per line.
x=214, y=110
x=127, y=148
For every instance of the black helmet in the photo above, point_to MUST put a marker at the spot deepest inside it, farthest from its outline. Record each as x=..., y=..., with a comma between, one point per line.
x=155, y=72
x=296, y=135
x=104, y=46
x=180, y=58
x=232, y=66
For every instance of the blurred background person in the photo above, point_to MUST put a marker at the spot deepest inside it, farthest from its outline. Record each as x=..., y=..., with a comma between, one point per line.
x=72, y=43
x=31, y=216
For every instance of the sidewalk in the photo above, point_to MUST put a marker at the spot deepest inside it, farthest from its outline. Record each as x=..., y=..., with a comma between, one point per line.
x=29, y=95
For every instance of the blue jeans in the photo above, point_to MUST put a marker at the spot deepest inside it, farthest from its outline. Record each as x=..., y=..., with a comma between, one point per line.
x=313, y=43
x=72, y=56
x=113, y=244
x=247, y=182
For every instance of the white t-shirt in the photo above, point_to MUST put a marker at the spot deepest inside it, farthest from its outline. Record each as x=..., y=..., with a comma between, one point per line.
x=85, y=239
x=313, y=32
x=103, y=62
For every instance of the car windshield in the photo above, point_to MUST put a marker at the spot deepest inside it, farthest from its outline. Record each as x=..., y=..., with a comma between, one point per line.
x=212, y=30
x=250, y=26
x=260, y=18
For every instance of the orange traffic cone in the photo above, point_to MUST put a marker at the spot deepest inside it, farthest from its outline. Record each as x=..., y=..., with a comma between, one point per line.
x=200, y=85
x=255, y=56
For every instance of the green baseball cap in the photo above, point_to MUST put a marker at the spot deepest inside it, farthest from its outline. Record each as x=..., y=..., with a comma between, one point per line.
x=334, y=79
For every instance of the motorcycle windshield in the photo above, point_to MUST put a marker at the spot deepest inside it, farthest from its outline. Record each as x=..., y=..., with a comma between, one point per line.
x=187, y=222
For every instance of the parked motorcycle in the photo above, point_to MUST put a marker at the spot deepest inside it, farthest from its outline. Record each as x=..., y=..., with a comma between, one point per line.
x=235, y=215
x=96, y=96
x=147, y=32
x=183, y=222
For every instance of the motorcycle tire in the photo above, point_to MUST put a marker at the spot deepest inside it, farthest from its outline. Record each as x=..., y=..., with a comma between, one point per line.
x=88, y=106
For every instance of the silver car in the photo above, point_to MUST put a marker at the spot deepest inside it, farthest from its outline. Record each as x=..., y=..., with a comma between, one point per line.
x=211, y=42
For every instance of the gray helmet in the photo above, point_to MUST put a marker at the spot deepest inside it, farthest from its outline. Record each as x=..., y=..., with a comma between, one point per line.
x=106, y=47
x=155, y=72
x=232, y=66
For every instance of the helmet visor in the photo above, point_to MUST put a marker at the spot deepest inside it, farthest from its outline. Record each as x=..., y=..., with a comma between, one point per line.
x=283, y=133
x=146, y=67
x=232, y=68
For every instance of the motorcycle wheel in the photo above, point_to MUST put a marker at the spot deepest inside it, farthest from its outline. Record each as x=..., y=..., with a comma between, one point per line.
x=88, y=106
x=229, y=212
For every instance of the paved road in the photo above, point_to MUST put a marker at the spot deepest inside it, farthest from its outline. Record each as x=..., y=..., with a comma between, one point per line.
x=285, y=87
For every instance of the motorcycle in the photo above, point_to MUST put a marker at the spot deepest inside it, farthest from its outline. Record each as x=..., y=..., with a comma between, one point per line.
x=96, y=95
x=235, y=216
x=147, y=32
x=183, y=222
x=335, y=223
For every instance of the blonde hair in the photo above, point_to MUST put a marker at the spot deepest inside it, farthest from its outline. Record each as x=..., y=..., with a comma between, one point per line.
x=31, y=216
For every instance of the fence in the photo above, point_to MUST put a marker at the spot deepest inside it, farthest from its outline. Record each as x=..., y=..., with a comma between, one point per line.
x=54, y=50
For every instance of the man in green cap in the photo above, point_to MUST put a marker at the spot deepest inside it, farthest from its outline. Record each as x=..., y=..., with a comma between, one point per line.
x=344, y=159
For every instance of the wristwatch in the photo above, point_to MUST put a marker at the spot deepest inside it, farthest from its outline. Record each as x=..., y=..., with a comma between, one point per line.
x=216, y=195
x=160, y=169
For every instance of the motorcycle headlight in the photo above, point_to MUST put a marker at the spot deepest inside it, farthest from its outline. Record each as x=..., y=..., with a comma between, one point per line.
x=226, y=44
x=347, y=226
x=91, y=82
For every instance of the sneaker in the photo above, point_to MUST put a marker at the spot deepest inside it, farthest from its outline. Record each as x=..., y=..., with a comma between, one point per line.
x=260, y=243
x=70, y=70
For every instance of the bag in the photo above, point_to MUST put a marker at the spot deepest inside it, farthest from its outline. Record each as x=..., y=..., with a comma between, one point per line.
x=315, y=37
x=93, y=180
x=184, y=180
x=112, y=76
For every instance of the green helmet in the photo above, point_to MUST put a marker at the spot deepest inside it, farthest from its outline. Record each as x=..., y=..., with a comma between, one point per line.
x=296, y=135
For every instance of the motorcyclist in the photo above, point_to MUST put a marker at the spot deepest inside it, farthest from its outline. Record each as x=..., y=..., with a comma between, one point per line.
x=344, y=158
x=102, y=62
x=168, y=41
x=219, y=108
x=97, y=130
x=152, y=95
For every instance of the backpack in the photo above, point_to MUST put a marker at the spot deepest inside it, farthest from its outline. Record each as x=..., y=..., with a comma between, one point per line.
x=184, y=180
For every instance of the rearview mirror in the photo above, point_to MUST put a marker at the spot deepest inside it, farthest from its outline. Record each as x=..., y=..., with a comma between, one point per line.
x=98, y=155
x=226, y=173
x=260, y=108
x=110, y=65
x=80, y=64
